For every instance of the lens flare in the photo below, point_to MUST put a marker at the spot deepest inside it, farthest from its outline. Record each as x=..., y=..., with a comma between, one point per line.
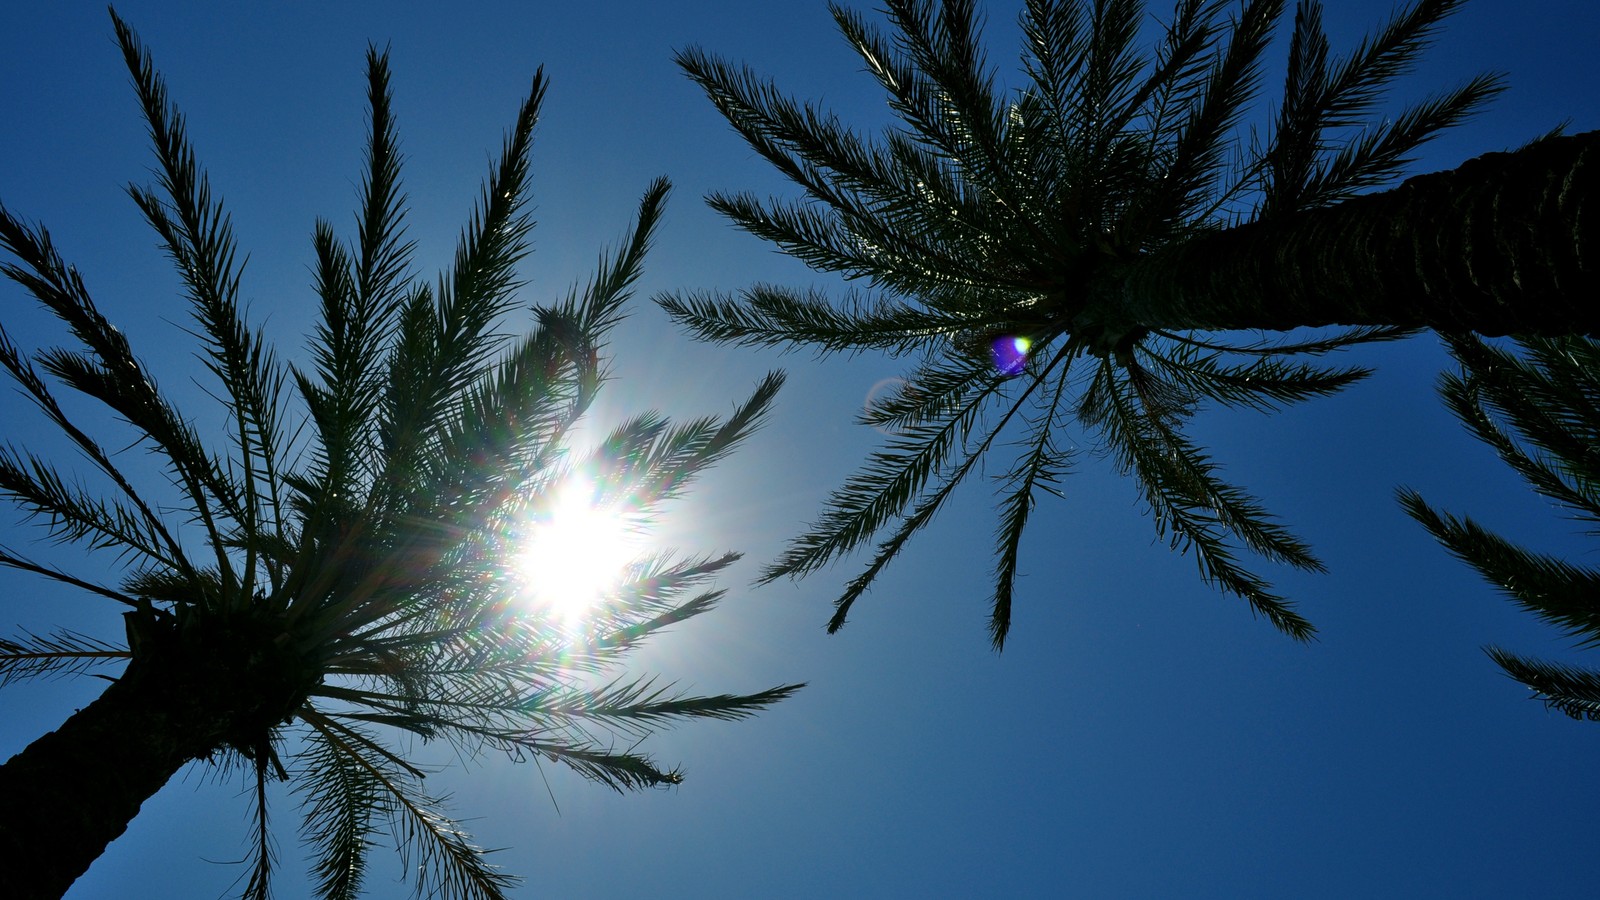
x=575, y=553
x=1010, y=353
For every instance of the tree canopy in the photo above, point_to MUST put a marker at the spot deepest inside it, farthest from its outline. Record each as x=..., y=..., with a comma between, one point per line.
x=1100, y=250
x=338, y=572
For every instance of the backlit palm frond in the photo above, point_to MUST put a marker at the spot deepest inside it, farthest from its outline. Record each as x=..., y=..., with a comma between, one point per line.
x=361, y=289
x=1562, y=594
x=342, y=800
x=1038, y=469
x=447, y=863
x=1000, y=232
x=444, y=332
x=888, y=483
x=1186, y=497
x=197, y=234
x=110, y=373
x=73, y=515
x=1537, y=403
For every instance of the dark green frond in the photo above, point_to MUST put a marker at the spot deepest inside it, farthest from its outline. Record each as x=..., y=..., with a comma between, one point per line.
x=1191, y=176
x=1567, y=689
x=63, y=653
x=1537, y=403
x=1548, y=399
x=927, y=505
x=1314, y=347
x=636, y=705
x=884, y=486
x=12, y=560
x=444, y=333
x=1383, y=151
x=1040, y=468
x=1191, y=503
x=767, y=315
x=196, y=233
x=263, y=855
x=73, y=515
x=1558, y=592
x=1265, y=384
x=599, y=306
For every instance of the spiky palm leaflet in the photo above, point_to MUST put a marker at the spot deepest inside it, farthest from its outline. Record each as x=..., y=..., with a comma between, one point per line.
x=1110, y=213
x=307, y=600
x=1537, y=403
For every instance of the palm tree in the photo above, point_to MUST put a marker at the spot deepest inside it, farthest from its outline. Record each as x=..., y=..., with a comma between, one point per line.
x=323, y=583
x=1069, y=252
x=1540, y=410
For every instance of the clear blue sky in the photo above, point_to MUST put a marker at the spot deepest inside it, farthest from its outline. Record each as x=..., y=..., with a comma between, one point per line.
x=1142, y=736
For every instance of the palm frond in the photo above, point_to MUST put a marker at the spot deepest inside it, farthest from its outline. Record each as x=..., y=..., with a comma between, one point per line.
x=1556, y=591
x=10, y=559
x=263, y=855
x=447, y=863
x=197, y=234
x=1540, y=410
x=1324, y=96
x=1566, y=689
x=341, y=798
x=883, y=488
x=63, y=653
x=1040, y=468
x=768, y=315
x=444, y=332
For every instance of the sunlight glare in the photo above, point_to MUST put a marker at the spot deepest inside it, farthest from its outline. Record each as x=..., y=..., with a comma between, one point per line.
x=576, y=553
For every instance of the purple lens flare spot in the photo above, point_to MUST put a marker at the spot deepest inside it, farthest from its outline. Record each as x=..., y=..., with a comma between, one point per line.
x=1010, y=353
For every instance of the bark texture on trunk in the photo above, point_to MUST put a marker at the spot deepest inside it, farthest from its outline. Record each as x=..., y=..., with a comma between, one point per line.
x=1507, y=243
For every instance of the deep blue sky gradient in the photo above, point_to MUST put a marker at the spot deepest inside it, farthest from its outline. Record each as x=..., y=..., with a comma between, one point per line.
x=1141, y=736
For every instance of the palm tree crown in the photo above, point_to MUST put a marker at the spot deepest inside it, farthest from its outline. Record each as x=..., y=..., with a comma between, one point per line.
x=1540, y=410
x=1014, y=242
x=335, y=579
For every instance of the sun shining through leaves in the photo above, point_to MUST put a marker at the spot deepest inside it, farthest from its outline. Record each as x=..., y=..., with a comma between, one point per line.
x=341, y=571
x=576, y=550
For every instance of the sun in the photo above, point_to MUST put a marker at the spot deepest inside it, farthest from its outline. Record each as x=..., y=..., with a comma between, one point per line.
x=576, y=552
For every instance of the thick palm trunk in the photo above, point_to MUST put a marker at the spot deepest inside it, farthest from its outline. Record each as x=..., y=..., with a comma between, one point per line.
x=1508, y=243
x=188, y=693
x=73, y=791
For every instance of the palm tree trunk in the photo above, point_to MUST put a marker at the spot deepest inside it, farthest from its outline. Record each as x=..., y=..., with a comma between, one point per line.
x=1504, y=244
x=74, y=790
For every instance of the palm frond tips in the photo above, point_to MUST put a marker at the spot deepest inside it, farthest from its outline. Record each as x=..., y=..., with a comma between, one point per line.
x=337, y=574
x=1537, y=403
x=1039, y=226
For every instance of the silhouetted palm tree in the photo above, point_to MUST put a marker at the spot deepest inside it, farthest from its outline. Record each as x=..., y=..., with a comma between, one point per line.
x=1067, y=251
x=1540, y=410
x=330, y=580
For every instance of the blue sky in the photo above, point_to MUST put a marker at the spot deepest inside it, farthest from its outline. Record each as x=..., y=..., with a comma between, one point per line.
x=1141, y=736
